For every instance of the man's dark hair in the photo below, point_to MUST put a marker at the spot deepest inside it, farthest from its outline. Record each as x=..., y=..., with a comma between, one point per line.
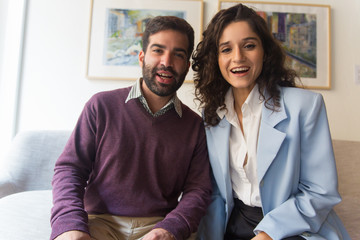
x=162, y=23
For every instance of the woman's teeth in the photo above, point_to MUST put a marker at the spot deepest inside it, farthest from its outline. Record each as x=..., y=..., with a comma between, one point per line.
x=240, y=69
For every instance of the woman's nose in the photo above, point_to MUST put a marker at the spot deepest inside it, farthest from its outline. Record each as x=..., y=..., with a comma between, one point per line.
x=238, y=55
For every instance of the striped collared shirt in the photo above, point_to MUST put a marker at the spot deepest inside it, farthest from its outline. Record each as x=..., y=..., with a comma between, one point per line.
x=136, y=92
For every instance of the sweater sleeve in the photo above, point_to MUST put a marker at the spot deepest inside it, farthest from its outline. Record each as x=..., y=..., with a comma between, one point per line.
x=71, y=173
x=185, y=218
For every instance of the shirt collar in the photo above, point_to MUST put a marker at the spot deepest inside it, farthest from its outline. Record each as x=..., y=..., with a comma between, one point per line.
x=136, y=92
x=253, y=101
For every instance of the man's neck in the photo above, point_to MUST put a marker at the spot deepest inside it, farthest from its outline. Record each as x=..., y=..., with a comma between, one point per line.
x=154, y=101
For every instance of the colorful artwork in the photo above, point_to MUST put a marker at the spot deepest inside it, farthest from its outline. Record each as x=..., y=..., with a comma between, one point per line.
x=123, y=32
x=116, y=29
x=297, y=33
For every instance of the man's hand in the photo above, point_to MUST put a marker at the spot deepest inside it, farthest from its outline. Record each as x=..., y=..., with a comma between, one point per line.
x=262, y=236
x=158, y=234
x=73, y=235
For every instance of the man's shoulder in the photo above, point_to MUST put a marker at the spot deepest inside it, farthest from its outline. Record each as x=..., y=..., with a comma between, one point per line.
x=120, y=93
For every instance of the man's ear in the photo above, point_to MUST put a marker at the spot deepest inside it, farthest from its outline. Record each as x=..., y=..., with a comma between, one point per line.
x=188, y=67
x=141, y=58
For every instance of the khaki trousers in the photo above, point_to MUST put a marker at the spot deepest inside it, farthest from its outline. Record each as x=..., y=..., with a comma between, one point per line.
x=109, y=227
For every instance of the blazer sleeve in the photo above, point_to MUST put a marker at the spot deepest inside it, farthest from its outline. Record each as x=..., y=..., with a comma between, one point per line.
x=316, y=191
x=212, y=225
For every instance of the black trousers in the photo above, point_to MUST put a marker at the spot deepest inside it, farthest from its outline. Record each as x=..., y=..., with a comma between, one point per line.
x=243, y=220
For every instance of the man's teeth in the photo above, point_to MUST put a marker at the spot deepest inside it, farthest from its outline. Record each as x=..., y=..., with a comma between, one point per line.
x=163, y=75
x=239, y=69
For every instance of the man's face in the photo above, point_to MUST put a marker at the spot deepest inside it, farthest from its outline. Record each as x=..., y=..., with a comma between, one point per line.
x=165, y=63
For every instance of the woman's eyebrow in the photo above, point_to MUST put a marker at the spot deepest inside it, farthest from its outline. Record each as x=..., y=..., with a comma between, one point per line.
x=245, y=39
x=224, y=43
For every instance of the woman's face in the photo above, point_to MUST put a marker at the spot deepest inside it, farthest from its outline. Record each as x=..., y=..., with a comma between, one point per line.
x=241, y=55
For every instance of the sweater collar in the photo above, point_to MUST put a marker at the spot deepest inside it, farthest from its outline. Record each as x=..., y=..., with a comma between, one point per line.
x=136, y=92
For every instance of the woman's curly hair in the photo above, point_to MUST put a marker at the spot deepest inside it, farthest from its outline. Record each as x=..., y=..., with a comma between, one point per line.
x=211, y=87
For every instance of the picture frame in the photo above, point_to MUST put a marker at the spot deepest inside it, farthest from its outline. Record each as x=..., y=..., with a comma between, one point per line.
x=305, y=31
x=115, y=31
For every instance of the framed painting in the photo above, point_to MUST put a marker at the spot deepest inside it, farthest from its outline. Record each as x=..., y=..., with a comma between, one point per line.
x=116, y=28
x=304, y=32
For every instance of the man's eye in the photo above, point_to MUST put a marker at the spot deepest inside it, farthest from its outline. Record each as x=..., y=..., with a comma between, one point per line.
x=180, y=55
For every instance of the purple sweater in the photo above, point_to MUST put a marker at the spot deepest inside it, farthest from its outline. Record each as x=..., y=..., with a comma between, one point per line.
x=122, y=161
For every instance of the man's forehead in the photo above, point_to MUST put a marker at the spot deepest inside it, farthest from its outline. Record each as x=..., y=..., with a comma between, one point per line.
x=166, y=37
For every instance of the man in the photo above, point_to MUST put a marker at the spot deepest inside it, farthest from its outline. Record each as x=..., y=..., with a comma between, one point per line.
x=134, y=151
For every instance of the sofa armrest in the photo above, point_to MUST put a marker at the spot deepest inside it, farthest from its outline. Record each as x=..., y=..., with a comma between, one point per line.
x=6, y=186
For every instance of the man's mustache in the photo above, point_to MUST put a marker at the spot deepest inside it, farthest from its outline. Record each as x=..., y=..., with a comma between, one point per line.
x=168, y=69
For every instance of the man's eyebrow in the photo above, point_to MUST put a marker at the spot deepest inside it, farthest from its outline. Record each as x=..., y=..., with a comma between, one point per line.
x=163, y=47
x=157, y=45
x=181, y=50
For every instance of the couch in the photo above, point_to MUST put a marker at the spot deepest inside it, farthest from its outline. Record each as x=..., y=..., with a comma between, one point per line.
x=26, y=173
x=25, y=184
x=347, y=155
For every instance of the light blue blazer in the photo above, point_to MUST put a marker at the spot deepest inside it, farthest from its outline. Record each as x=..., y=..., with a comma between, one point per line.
x=296, y=172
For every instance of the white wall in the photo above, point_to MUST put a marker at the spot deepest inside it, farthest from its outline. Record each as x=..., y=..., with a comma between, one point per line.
x=11, y=36
x=344, y=97
x=3, y=17
x=53, y=86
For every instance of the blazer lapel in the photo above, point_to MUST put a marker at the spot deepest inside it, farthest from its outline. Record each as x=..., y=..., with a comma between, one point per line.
x=270, y=139
x=218, y=143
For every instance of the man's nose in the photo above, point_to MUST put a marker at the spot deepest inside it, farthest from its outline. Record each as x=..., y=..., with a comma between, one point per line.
x=166, y=60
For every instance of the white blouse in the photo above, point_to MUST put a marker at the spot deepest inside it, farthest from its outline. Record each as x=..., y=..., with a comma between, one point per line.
x=243, y=146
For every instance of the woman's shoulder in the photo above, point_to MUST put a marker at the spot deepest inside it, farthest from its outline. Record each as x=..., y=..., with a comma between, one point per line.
x=294, y=94
x=299, y=98
x=301, y=101
x=298, y=92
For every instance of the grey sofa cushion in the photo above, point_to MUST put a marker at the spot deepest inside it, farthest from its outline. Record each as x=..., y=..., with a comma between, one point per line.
x=30, y=162
x=26, y=216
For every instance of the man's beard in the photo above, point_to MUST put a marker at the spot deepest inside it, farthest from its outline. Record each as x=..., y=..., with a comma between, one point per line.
x=161, y=89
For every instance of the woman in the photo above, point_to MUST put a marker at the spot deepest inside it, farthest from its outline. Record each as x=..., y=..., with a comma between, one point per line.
x=269, y=142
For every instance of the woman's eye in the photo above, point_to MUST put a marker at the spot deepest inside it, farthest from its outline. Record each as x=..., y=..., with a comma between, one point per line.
x=250, y=46
x=225, y=50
